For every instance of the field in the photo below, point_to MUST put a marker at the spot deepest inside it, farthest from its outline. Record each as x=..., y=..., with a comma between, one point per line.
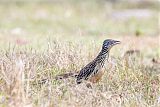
x=39, y=40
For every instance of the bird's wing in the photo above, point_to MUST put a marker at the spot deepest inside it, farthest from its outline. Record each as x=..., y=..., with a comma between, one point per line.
x=86, y=72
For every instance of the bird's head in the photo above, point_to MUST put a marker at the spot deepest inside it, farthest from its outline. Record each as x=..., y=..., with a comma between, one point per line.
x=109, y=43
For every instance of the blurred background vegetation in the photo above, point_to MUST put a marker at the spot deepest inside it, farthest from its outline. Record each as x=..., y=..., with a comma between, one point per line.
x=33, y=22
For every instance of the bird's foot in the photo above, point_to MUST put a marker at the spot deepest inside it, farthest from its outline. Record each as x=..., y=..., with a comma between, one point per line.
x=89, y=85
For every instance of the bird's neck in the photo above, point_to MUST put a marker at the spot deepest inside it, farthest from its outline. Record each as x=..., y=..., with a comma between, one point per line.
x=103, y=56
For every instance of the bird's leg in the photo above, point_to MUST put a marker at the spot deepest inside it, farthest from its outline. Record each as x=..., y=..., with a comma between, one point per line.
x=89, y=85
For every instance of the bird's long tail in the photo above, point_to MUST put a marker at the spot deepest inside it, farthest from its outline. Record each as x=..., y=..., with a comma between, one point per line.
x=66, y=75
x=60, y=77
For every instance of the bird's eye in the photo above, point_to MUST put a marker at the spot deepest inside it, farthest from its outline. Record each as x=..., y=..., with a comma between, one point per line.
x=107, y=44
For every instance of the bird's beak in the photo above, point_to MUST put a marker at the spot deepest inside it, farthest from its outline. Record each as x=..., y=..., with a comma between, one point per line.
x=115, y=42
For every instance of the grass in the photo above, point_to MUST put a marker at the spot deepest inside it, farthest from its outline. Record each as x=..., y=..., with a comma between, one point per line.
x=42, y=40
x=134, y=84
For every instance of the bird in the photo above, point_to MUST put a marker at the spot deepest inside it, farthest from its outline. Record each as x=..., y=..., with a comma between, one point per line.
x=93, y=70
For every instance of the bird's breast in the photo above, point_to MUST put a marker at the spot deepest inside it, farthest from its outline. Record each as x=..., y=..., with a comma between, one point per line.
x=95, y=78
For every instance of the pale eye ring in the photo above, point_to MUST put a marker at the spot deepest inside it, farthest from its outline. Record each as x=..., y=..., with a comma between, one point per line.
x=106, y=46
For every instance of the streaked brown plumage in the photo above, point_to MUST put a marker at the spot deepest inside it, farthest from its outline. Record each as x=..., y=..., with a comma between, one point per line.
x=93, y=71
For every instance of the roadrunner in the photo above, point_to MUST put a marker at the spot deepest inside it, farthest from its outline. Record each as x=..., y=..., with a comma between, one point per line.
x=92, y=71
